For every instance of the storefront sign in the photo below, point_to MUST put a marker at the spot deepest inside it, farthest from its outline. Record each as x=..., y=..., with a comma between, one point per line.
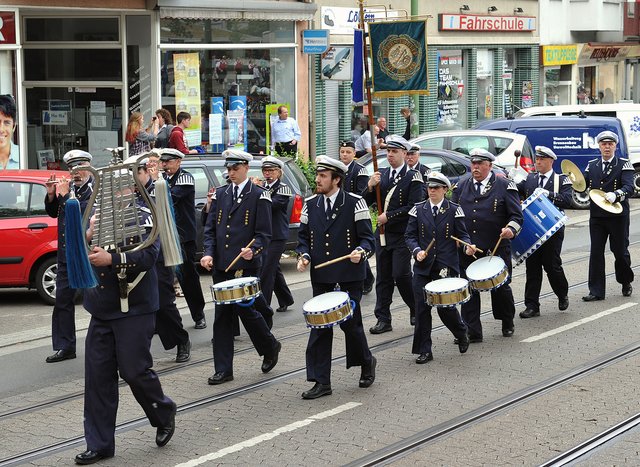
x=341, y=20
x=55, y=117
x=595, y=53
x=336, y=63
x=450, y=87
x=186, y=69
x=485, y=23
x=559, y=54
x=315, y=41
x=216, y=124
x=7, y=27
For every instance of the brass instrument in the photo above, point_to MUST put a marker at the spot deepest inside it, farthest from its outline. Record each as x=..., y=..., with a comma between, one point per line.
x=598, y=197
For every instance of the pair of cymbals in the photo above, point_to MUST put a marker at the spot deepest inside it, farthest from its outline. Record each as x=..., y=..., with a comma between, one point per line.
x=574, y=174
x=598, y=197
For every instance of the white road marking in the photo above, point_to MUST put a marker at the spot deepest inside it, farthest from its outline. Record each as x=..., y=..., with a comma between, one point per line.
x=580, y=322
x=267, y=436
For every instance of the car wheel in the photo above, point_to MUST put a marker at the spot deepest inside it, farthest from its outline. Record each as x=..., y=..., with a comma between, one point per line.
x=636, y=182
x=580, y=200
x=46, y=280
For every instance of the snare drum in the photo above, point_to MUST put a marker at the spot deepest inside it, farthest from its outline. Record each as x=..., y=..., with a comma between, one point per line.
x=447, y=292
x=487, y=273
x=327, y=310
x=238, y=290
x=541, y=220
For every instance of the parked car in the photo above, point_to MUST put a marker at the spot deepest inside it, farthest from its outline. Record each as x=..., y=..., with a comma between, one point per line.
x=570, y=137
x=208, y=171
x=501, y=144
x=452, y=164
x=29, y=236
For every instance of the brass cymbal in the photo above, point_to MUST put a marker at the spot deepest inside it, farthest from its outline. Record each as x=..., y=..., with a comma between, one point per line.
x=597, y=196
x=575, y=175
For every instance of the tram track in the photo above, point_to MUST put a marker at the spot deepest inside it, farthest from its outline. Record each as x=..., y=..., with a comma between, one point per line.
x=243, y=390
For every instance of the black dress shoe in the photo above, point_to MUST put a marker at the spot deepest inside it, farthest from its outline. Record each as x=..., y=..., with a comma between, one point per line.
x=507, y=328
x=424, y=358
x=89, y=457
x=591, y=298
x=563, y=303
x=474, y=339
x=529, y=313
x=381, y=327
x=164, y=433
x=269, y=362
x=318, y=390
x=366, y=290
x=201, y=324
x=368, y=373
x=412, y=320
x=184, y=352
x=61, y=355
x=220, y=377
x=627, y=289
x=463, y=344
x=283, y=308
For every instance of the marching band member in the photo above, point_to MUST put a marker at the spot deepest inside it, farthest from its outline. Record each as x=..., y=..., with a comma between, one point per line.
x=492, y=209
x=240, y=212
x=557, y=188
x=413, y=161
x=614, y=176
x=63, y=322
x=400, y=188
x=435, y=219
x=335, y=223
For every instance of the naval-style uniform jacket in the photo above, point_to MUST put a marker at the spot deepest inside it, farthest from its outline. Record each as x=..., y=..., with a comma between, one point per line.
x=398, y=197
x=321, y=239
x=617, y=179
x=423, y=227
x=280, y=195
x=232, y=225
x=559, y=187
x=356, y=179
x=183, y=193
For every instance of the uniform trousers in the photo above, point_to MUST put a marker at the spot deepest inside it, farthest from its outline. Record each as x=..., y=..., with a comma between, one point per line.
x=63, y=319
x=112, y=346
x=271, y=277
x=320, y=340
x=168, y=321
x=617, y=230
x=370, y=278
x=253, y=322
x=190, y=281
x=449, y=315
x=393, y=266
x=546, y=256
x=502, y=303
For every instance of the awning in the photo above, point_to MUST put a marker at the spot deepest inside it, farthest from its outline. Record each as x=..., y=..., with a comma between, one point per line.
x=271, y=10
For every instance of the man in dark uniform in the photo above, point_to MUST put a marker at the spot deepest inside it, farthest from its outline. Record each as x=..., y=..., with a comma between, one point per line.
x=342, y=223
x=168, y=320
x=492, y=211
x=413, y=161
x=240, y=212
x=436, y=219
x=558, y=188
x=614, y=176
x=118, y=341
x=183, y=188
x=63, y=323
x=400, y=189
x=271, y=277
x=356, y=182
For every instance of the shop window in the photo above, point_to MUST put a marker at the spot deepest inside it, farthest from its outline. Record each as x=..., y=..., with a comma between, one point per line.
x=72, y=29
x=209, y=31
x=452, y=107
x=73, y=64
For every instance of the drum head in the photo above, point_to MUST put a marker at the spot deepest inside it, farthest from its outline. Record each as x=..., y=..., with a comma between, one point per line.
x=234, y=283
x=485, y=268
x=446, y=285
x=325, y=302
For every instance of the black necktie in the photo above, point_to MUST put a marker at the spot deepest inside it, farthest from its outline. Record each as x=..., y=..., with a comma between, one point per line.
x=328, y=212
x=542, y=177
x=605, y=167
x=393, y=175
x=435, y=211
x=235, y=193
x=478, y=186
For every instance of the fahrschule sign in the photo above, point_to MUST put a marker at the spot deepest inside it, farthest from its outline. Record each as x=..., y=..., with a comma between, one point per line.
x=485, y=23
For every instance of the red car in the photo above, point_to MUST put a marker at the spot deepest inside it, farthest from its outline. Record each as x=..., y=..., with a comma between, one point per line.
x=29, y=237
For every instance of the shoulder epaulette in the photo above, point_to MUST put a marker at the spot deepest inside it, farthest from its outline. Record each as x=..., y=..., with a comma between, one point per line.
x=417, y=177
x=304, y=215
x=566, y=180
x=185, y=178
x=512, y=186
x=361, y=211
x=265, y=195
x=459, y=212
x=284, y=190
x=413, y=212
x=363, y=172
x=627, y=165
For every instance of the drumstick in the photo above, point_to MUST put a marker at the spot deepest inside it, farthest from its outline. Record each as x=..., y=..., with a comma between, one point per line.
x=332, y=261
x=426, y=251
x=239, y=255
x=465, y=243
x=496, y=247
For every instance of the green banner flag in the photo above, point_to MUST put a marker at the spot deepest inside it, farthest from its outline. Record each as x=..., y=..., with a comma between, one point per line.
x=399, y=58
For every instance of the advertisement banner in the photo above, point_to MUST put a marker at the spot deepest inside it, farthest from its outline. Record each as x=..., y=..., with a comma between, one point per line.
x=216, y=125
x=336, y=63
x=399, y=58
x=239, y=104
x=186, y=69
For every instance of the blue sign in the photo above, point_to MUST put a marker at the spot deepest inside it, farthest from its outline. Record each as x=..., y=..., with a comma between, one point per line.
x=315, y=41
x=238, y=129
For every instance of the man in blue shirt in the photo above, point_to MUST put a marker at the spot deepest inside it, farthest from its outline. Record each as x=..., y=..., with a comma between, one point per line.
x=285, y=133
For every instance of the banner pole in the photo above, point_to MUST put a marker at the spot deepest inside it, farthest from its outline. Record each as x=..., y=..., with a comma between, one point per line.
x=367, y=84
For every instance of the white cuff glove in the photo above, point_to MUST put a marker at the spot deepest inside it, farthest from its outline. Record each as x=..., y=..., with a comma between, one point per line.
x=611, y=197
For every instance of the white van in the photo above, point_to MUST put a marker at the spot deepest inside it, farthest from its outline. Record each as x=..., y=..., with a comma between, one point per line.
x=628, y=113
